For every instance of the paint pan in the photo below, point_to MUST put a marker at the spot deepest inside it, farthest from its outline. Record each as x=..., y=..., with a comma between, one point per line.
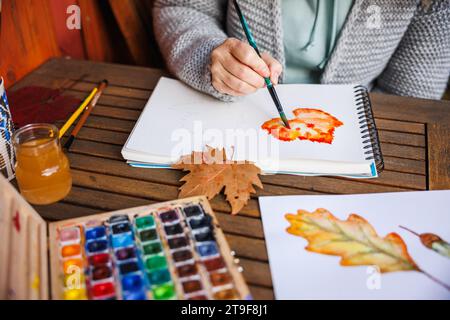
x=214, y=264
x=95, y=233
x=148, y=235
x=125, y=253
x=193, y=211
x=204, y=235
x=182, y=255
x=219, y=279
x=200, y=222
x=187, y=270
x=191, y=286
x=173, y=229
x=170, y=216
x=70, y=235
x=164, y=292
x=178, y=242
x=145, y=222
x=152, y=248
x=155, y=262
x=99, y=259
x=207, y=249
x=228, y=294
x=159, y=276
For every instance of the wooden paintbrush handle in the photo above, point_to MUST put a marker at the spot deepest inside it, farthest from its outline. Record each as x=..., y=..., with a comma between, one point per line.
x=88, y=110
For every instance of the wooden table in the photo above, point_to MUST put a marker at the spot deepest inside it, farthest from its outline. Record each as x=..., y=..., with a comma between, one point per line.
x=415, y=137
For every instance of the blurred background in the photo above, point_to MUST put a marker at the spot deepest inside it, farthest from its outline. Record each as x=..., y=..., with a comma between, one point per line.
x=118, y=31
x=32, y=31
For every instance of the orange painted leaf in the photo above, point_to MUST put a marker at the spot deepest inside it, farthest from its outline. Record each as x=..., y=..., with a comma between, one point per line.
x=210, y=172
x=354, y=240
x=309, y=124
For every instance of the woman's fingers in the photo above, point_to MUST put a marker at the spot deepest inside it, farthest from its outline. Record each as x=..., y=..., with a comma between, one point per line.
x=237, y=69
x=248, y=56
x=223, y=88
x=234, y=83
x=274, y=66
x=243, y=72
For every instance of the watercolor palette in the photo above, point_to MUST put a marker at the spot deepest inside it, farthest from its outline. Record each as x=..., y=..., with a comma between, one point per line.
x=166, y=251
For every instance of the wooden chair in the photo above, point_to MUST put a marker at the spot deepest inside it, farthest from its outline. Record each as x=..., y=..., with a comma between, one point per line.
x=134, y=18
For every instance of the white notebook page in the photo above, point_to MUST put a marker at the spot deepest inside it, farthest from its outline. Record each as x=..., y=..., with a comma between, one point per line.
x=174, y=106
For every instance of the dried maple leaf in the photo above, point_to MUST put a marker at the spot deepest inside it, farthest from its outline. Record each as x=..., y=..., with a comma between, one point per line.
x=354, y=240
x=309, y=124
x=210, y=172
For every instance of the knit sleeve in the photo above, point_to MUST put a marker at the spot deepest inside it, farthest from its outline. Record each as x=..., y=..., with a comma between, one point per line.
x=187, y=31
x=420, y=67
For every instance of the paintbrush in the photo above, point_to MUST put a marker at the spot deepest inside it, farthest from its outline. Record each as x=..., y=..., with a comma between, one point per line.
x=269, y=83
x=77, y=113
x=86, y=114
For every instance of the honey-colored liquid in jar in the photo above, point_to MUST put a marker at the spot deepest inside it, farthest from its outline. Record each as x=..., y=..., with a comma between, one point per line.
x=42, y=169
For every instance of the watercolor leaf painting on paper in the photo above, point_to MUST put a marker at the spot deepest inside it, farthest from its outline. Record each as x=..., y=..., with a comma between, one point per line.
x=354, y=240
x=314, y=125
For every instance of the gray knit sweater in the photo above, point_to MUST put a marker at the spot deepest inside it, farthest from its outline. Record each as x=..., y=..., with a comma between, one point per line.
x=407, y=54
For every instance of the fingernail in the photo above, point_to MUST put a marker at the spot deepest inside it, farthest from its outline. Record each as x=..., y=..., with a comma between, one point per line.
x=274, y=78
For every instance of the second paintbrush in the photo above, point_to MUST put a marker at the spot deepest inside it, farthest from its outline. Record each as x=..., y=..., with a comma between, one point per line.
x=86, y=114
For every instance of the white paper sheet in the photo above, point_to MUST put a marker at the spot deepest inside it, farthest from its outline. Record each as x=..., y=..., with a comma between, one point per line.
x=174, y=106
x=300, y=274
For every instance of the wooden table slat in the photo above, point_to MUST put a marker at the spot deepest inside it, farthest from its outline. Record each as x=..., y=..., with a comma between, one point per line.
x=63, y=211
x=400, y=126
x=113, y=167
x=116, y=139
x=256, y=272
x=94, y=72
x=106, y=201
x=110, y=101
x=438, y=155
x=261, y=293
x=116, y=91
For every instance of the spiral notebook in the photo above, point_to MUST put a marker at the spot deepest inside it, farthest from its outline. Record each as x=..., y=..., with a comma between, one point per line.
x=332, y=130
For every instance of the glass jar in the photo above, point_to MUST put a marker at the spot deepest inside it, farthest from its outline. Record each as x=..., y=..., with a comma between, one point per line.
x=42, y=169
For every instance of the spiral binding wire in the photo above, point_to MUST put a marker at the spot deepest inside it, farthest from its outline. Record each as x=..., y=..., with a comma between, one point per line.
x=369, y=132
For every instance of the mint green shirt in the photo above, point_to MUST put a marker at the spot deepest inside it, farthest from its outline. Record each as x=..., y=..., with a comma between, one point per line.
x=311, y=29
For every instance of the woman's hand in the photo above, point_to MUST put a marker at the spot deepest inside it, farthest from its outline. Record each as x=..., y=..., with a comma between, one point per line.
x=237, y=69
